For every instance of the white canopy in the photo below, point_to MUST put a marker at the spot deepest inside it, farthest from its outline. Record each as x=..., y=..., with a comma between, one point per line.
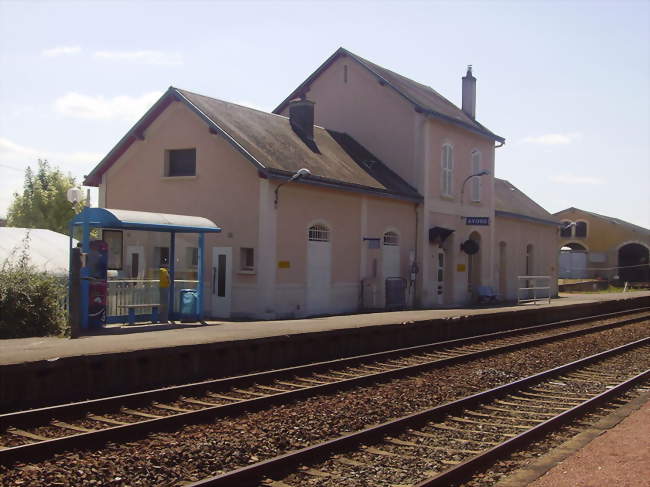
x=48, y=251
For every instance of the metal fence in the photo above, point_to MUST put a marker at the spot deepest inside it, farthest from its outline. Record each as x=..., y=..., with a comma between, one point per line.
x=139, y=291
x=532, y=290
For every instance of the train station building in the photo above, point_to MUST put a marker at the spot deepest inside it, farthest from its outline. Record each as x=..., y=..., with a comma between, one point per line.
x=364, y=190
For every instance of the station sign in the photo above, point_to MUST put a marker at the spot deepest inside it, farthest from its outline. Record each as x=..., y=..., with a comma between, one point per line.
x=477, y=220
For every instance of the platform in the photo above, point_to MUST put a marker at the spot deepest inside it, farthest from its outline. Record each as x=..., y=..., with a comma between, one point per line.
x=38, y=371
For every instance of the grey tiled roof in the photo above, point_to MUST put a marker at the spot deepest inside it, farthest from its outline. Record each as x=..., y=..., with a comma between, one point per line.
x=509, y=199
x=268, y=141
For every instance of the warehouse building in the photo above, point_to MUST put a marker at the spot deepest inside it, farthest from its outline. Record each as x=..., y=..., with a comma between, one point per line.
x=597, y=246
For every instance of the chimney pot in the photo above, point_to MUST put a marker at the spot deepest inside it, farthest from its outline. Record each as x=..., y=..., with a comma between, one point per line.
x=469, y=93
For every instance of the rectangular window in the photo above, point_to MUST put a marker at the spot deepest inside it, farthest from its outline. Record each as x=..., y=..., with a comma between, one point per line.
x=180, y=162
x=221, y=278
x=476, y=181
x=247, y=259
x=135, y=265
x=446, y=175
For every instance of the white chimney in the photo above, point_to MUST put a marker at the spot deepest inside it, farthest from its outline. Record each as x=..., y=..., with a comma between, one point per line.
x=469, y=93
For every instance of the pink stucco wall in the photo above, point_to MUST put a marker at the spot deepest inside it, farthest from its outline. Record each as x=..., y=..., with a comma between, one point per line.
x=373, y=114
x=224, y=180
x=517, y=234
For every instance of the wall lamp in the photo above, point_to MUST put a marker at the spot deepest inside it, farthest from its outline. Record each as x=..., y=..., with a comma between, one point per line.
x=478, y=174
x=300, y=173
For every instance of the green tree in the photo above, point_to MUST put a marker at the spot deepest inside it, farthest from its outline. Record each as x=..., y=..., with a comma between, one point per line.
x=43, y=202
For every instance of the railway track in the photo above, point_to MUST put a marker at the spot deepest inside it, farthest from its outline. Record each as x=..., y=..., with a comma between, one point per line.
x=35, y=434
x=447, y=444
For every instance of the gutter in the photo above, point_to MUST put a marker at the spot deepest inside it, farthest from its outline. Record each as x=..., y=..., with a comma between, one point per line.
x=332, y=184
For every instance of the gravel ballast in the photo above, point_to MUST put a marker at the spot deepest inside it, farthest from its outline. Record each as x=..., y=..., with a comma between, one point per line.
x=198, y=451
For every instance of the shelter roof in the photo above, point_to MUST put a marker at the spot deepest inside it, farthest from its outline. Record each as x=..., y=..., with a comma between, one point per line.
x=610, y=219
x=423, y=98
x=510, y=201
x=271, y=145
x=46, y=250
x=144, y=220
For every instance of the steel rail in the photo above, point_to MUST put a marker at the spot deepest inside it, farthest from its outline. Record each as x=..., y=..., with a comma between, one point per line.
x=289, y=461
x=35, y=451
x=468, y=467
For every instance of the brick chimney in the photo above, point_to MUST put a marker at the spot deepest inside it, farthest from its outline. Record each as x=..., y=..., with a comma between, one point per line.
x=301, y=118
x=469, y=94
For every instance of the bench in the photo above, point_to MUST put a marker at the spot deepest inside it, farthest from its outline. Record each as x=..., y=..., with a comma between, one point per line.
x=133, y=307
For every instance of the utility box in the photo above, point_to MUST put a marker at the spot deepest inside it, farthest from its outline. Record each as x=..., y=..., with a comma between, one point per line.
x=189, y=300
x=395, y=293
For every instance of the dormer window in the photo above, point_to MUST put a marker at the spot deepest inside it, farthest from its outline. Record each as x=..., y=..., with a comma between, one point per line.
x=446, y=175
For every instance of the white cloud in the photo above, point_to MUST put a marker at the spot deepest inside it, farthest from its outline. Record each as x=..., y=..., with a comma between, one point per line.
x=14, y=159
x=144, y=56
x=61, y=51
x=123, y=107
x=572, y=179
x=552, y=139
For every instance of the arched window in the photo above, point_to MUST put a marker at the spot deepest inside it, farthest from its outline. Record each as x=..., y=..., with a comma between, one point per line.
x=581, y=229
x=391, y=238
x=476, y=182
x=446, y=175
x=319, y=233
x=566, y=229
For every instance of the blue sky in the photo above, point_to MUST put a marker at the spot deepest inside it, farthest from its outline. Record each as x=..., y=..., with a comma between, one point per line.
x=566, y=83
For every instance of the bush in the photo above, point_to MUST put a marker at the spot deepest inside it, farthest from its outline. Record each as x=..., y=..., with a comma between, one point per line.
x=32, y=303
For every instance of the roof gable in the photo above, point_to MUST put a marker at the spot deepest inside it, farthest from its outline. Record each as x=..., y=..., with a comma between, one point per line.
x=423, y=98
x=610, y=219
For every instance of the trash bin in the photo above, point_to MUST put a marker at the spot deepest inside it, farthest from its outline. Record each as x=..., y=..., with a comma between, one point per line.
x=189, y=305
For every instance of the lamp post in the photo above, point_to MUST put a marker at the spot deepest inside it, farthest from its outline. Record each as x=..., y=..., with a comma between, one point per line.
x=300, y=173
x=478, y=174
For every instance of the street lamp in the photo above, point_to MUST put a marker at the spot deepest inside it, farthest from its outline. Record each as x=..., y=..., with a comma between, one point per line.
x=478, y=174
x=75, y=195
x=300, y=173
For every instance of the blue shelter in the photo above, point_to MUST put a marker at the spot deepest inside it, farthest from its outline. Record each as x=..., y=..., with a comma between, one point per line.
x=144, y=221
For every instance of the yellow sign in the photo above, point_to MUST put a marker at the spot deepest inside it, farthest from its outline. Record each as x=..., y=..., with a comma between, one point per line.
x=460, y=267
x=284, y=264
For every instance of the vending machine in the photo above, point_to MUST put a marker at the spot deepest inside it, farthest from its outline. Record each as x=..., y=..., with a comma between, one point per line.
x=97, y=262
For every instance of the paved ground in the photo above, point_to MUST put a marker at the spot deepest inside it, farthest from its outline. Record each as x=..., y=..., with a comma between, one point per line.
x=620, y=457
x=138, y=338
